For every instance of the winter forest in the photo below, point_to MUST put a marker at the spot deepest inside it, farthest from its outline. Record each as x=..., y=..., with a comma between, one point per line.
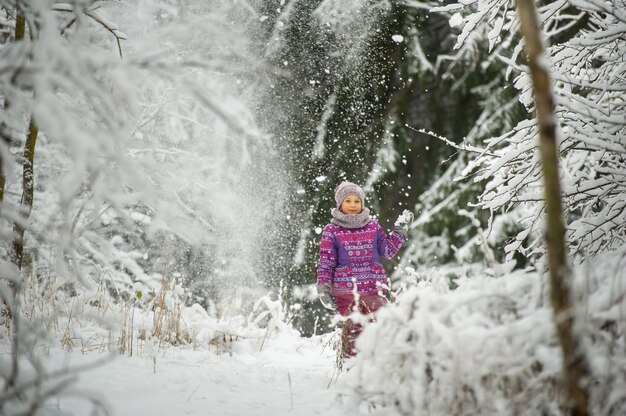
x=168, y=167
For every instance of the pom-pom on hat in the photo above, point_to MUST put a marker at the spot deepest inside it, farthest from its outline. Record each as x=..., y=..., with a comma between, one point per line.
x=346, y=188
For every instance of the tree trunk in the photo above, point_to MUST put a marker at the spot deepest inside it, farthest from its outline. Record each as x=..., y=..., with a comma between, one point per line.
x=575, y=366
x=28, y=187
x=28, y=182
x=20, y=26
x=2, y=180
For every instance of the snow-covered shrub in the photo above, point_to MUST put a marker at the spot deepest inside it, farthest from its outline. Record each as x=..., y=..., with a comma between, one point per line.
x=489, y=347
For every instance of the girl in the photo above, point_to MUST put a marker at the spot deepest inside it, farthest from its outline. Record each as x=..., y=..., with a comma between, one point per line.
x=349, y=269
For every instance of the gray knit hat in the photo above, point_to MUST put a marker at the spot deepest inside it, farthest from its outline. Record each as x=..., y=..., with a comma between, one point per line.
x=346, y=188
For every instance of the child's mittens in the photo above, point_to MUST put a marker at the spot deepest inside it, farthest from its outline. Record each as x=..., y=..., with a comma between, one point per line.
x=327, y=300
x=402, y=223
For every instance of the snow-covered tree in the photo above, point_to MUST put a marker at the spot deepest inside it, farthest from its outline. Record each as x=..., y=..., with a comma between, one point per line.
x=585, y=57
x=438, y=93
x=142, y=161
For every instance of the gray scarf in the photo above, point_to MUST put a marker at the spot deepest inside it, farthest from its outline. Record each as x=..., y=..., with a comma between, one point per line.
x=350, y=220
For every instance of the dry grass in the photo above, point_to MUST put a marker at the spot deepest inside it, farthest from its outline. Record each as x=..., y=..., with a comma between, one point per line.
x=336, y=342
x=167, y=323
x=125, y=340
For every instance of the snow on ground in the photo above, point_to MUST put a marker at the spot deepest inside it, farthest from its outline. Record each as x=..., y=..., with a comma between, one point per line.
x=289, y=376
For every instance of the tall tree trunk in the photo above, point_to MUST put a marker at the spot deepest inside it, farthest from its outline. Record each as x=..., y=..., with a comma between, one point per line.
x=2, y=179
x=28, y=187
x=10, y=311
x=28, y=183
x=575, y=366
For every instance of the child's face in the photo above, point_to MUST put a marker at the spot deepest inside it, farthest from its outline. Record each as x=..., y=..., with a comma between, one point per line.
x=351, y=205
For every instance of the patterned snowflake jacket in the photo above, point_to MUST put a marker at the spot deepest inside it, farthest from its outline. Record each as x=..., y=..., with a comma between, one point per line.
x=354, y=254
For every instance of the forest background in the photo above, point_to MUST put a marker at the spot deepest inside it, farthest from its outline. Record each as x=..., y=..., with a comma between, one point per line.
x=186, y=151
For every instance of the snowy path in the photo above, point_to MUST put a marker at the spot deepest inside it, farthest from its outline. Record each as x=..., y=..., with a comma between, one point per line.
x=289, y=377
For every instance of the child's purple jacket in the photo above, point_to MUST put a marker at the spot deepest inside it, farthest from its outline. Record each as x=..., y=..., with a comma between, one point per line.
x=354, y=254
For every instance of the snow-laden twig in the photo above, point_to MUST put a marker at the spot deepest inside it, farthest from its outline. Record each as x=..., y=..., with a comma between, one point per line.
x=463, y=147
